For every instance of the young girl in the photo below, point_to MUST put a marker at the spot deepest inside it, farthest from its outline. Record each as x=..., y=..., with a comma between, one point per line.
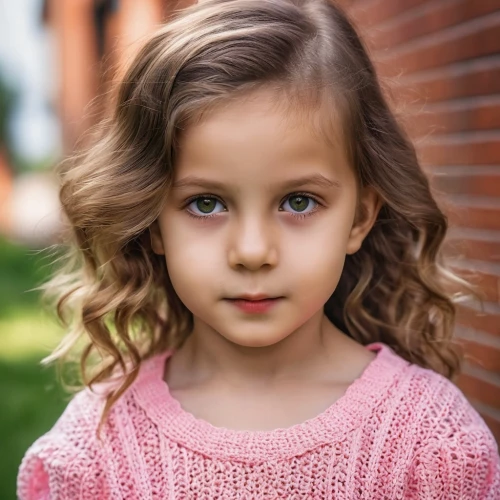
x=258, y=281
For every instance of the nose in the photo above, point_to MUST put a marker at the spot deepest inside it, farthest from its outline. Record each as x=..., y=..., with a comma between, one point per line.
x=253, y=244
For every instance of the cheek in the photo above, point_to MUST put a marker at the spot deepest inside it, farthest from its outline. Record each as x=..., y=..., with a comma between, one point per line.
x=320, y=267
x=322, y=242
x=190, y=258
x=317, y=256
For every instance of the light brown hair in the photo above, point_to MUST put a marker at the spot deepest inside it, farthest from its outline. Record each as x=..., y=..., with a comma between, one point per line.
x=115, y=294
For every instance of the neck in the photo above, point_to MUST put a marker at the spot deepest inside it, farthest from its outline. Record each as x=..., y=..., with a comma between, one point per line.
x=208, y=356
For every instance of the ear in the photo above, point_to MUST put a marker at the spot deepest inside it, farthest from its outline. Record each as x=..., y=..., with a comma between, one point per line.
x=369, y=206
x=156, y=241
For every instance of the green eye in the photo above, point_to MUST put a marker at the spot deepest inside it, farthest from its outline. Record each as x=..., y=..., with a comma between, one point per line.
x=299, y=203
x=206, y=205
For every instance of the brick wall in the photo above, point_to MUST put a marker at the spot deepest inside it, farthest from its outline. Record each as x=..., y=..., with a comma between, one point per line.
x=441, y=59
x=72, y=27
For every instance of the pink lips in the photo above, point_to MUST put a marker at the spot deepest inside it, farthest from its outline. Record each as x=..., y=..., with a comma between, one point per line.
x=255, y=305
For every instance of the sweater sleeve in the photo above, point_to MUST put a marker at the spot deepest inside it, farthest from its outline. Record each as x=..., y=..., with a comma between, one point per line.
x=66, y=462
x=465, y=467
x=456, y=456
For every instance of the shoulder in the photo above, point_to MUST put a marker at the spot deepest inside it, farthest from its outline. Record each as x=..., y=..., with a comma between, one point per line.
x=66, y=462
x=437, y=408
x=435, y=403
x=71, y=461
x=453, y=453
x=443, y=410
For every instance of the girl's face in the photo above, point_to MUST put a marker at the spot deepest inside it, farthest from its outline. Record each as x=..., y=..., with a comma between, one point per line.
x=261, y=204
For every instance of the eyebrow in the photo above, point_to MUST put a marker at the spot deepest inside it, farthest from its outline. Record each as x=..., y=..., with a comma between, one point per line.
x=314, y=179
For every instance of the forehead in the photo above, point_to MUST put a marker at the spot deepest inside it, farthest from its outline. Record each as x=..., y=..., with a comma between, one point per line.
x=263, y=132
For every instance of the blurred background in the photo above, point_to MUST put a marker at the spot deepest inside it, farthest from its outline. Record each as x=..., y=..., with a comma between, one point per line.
x=439, y=61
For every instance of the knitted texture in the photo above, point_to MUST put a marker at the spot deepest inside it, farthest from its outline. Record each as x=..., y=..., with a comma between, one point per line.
x=399, y=432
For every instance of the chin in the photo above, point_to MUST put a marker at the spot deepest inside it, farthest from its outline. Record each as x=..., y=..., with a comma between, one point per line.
x=254, y=341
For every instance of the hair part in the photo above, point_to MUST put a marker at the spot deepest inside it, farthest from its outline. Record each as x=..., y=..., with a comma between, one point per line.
x=115, y=292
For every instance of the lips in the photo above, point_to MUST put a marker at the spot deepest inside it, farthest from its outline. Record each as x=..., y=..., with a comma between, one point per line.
x=254, y=298
x=255, y=305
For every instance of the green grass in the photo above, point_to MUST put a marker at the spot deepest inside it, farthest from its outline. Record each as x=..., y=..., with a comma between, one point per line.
x=31, y=403
x=30, y=396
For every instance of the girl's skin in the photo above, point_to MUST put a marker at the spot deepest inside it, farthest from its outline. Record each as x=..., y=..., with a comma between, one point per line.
x=236, y=366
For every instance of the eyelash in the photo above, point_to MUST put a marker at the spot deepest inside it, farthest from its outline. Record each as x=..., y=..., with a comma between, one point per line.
x=291, y=195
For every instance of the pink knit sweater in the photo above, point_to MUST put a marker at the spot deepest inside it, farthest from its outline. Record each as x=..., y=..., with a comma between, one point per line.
x=399, y=432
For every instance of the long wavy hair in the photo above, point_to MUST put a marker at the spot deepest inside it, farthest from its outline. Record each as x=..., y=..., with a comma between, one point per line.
x=114, y=295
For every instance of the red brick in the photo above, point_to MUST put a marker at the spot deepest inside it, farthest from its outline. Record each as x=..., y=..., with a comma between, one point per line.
x=441, y=120
x=482, y=356
x=484, y=392
x=468, y=79
x=430, y=18
x=409, y=59
x=494, y=426
x=488, y=284
x=471, y=184
x=489, y=323
x=367, y=14
x=474, y=249
x=466, y=149
x=481, y=217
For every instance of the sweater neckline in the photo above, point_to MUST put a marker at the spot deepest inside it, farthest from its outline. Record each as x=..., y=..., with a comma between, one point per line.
x=333, y=424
